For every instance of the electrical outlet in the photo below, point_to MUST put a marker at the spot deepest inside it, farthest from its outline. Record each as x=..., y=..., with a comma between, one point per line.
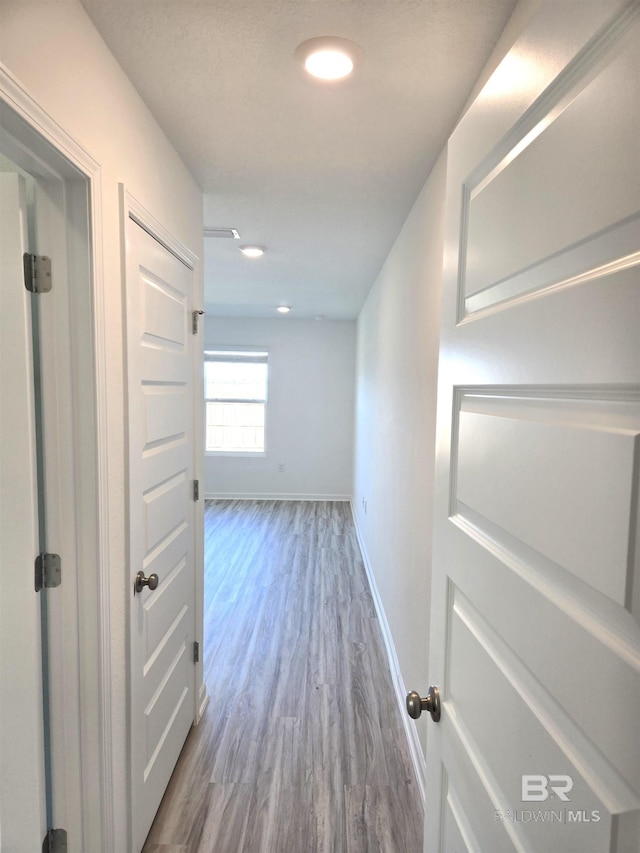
x=280, y=467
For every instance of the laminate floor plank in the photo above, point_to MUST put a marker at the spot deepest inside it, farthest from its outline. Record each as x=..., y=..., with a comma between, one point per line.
x=301, y=748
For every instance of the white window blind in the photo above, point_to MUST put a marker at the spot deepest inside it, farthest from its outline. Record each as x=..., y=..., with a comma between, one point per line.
x=236, y=400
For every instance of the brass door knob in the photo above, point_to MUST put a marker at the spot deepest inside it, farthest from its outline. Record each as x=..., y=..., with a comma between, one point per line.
x=141, y=581
x=431, y=703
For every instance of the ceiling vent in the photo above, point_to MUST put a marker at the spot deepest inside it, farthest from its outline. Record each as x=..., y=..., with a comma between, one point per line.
x=222, y=232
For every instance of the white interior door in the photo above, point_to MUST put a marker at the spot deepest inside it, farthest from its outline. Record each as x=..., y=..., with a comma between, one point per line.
x=22, y=785
x=536, y=594
x=161, y=515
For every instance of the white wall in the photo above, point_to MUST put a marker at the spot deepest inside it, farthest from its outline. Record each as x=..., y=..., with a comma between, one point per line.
x=58, y=57
x=309, y=410
x=396, y=370
x=395, y=421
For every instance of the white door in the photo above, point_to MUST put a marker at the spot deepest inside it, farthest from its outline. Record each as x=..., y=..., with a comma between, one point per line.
x=22, y=786
x=160, y=350
x=536, y=594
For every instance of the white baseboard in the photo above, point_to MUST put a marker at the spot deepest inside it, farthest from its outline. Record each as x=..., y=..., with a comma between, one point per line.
x=415, y=749
x=272, y=496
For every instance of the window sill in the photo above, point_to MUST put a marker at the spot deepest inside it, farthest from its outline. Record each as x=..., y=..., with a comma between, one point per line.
x=246, y=454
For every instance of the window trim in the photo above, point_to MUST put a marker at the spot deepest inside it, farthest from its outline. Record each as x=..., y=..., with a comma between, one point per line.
x=238, y=355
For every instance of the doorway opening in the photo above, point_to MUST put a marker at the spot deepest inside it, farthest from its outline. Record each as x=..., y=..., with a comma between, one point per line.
x=54, y=701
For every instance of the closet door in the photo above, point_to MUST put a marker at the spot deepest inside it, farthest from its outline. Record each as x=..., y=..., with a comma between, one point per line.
x=160, y=369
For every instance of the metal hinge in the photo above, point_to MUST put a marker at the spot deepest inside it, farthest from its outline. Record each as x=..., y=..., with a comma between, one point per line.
x=196, y=651
x=48, y=570
x=37, y=273
x=197, y=313
x=196, y=490
x=55, y=841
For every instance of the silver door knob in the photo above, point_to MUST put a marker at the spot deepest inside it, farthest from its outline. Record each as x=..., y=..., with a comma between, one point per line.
x=431, y=703
x=141, y=582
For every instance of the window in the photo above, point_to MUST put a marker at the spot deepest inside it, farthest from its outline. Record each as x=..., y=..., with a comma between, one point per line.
x=235, y=401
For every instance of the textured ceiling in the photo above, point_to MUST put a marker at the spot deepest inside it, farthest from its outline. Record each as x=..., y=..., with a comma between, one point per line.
x=323, y=175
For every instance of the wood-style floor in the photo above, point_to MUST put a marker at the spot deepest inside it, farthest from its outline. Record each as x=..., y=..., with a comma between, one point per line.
x=301, y=749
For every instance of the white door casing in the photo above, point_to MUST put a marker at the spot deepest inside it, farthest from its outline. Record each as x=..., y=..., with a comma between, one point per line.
x=68, y=228
x=535, y=640
x=160, y=348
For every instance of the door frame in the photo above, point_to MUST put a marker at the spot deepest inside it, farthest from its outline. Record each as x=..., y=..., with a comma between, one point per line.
x=86, y=701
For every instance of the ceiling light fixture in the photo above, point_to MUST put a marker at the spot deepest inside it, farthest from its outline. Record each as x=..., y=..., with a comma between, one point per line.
x=252, y=251
x=329, y=57
x=284, y=309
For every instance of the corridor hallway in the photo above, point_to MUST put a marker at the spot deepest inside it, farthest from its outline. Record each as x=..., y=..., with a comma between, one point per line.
x=301, y=749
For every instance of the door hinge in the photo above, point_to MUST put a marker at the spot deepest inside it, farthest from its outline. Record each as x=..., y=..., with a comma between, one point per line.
x=196, y=651
x=196, y=490
x=37, y=273
x=48, y=571
x=196, y=314
x=55, y=841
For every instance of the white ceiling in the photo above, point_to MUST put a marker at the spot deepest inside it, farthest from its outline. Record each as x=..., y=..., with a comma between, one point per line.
x=323, y=175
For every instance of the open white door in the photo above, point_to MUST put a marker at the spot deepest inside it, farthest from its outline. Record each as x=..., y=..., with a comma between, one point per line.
x=22, y=779
x=536, y=593
x=161, y=515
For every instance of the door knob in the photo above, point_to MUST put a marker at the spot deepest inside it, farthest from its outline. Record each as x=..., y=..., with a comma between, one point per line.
x=141, y=582
x=431, y=703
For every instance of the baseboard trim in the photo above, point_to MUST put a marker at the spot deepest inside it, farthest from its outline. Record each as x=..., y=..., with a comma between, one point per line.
x=272, y=496
x=417, y=755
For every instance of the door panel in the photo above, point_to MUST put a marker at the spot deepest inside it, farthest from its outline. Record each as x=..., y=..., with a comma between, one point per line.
x=510, y=230
x=535, y=603
x=161, y=533
x=22, y=780
x=534, y=453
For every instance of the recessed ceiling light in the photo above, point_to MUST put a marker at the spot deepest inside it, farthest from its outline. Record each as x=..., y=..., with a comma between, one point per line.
x=284, y=309
x=252, y=251
x=329, y=57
